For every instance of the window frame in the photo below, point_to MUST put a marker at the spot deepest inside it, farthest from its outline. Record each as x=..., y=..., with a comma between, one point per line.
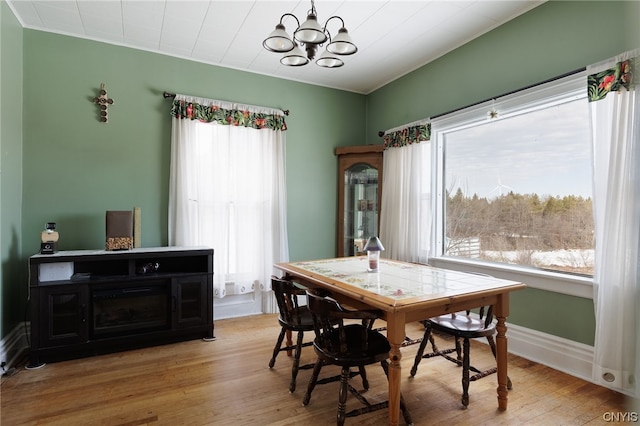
x=561, y=90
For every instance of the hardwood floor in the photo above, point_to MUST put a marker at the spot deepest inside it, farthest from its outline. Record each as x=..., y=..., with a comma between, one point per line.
x=228, y=382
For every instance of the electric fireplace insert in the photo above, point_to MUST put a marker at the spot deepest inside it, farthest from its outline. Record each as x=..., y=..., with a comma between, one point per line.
x=128, y=309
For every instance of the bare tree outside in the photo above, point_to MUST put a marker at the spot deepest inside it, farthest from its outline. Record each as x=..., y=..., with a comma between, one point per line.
x=513, y=228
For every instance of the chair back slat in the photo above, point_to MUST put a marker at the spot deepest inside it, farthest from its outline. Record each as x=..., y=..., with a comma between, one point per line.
x=488, y=319
x=286, y=294
x=329, y=321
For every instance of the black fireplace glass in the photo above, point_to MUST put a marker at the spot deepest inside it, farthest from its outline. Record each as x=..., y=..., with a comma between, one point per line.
x=127, y=309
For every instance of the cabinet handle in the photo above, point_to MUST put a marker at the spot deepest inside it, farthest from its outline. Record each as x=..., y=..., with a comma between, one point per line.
x=137, y=290
x=84, y=313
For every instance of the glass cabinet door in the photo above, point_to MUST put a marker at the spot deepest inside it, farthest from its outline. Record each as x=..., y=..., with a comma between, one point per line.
x=359, y=189
x=360, y=207
x=190, y=295
x=64, y=318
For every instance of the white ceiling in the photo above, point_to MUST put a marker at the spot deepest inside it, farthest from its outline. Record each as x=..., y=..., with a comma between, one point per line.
x=393, y=37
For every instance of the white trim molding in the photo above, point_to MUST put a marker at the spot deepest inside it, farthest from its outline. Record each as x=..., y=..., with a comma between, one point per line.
x=561, y=354
x=14, y=344
x=572, y=285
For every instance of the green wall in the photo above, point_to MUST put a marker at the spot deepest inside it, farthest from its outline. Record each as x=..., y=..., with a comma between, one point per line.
x=76, y=168
x=550, y=40
x=12, y=272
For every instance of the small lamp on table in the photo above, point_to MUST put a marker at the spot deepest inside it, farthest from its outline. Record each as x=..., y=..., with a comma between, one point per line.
x=373, y=249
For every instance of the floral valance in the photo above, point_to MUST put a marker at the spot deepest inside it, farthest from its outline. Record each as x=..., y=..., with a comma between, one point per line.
x=234, y=117
x=407, y=136
x=610, y=80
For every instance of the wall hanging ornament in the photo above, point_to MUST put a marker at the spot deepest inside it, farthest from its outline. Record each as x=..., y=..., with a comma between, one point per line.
x=103, y=101
x=493, y=112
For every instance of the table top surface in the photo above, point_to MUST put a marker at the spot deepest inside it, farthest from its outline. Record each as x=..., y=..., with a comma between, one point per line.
x=397, y=283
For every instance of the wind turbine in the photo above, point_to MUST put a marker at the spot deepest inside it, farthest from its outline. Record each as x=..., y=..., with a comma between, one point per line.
x=500, y=187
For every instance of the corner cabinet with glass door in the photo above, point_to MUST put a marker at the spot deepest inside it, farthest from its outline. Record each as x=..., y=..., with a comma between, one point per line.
x=359, y=191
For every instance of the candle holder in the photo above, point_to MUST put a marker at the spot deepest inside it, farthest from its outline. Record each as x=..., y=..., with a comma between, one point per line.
x=49, y=239
x=373, y=249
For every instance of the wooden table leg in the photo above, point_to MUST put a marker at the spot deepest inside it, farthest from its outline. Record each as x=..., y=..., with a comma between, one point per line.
x=502, y=311
x=395, y=335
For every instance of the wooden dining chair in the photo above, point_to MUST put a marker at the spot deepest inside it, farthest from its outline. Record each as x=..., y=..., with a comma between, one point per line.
x=293, y=318
x=465, y=326
x=350, y=344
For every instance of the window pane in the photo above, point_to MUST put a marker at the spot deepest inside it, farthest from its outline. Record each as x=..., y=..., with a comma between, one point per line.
x=519, y=189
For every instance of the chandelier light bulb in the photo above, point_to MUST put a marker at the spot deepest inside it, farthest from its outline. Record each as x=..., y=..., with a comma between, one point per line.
x=278, y=40
x=342, y=44
x=327, y=60
x=295, y=58
x=310, y=31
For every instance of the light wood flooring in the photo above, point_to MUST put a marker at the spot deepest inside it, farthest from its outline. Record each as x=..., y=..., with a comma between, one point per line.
x=228, y=382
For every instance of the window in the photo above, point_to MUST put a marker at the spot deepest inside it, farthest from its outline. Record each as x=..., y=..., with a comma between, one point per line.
x=227, y=190
x=515, y=180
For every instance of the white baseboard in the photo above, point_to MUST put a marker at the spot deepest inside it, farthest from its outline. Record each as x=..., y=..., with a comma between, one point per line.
x=561, y=354
x=13, y=345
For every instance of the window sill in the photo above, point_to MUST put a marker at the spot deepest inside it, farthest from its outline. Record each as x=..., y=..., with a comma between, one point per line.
x=571, y=285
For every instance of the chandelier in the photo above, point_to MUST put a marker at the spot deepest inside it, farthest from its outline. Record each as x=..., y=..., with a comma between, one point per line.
x=310, y=35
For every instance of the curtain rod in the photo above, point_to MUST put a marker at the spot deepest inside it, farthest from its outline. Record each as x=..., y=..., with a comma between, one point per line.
x=404, y=126
x=576, y=71
x=168, y=95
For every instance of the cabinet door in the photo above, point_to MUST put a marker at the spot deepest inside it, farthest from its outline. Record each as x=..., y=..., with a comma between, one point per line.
x=360, y=207
x=64, y=315
x=190, y=301
x=359, y=191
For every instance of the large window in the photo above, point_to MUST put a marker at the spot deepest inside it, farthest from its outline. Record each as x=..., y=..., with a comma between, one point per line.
x=227, y=191
x=515, y=180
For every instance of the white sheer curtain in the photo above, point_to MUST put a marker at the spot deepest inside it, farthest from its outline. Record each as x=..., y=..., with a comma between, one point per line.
x=227, y=190
x=405, y=210
x=615, y=120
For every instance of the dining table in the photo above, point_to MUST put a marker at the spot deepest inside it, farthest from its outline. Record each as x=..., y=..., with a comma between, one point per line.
x=405, y=292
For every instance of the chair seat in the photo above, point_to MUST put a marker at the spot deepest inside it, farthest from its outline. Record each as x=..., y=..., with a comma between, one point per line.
x=377, y=348
x=301, y=320
x=461, y=325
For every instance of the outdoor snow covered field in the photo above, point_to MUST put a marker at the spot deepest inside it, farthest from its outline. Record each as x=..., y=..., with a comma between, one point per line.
x=578, y=260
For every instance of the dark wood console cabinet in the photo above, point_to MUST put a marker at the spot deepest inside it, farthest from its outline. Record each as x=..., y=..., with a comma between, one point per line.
x=90, y=302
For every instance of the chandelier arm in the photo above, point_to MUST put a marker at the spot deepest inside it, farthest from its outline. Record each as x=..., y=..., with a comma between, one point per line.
x=326, y=31
x=336, y=17
x=294, y=17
